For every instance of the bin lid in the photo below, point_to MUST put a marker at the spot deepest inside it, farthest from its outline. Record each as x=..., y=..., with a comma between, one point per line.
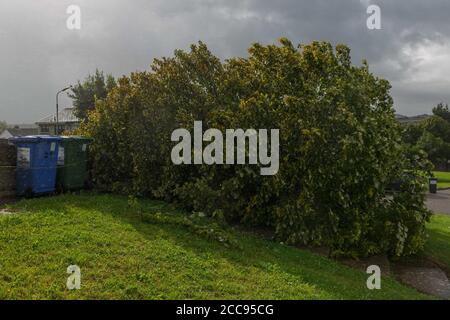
x=35, y=139
x=77, y=138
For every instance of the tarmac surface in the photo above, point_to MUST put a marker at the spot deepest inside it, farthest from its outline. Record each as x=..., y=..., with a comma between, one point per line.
x=439, y=202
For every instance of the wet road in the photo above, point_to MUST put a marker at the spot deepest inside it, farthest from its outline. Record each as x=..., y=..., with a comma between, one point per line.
x=439, y=202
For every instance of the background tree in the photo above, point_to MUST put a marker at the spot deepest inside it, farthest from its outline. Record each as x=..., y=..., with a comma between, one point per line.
x=3, y=126
x=432, y=135
x=412, y=133
x=94, y=87
x=437, y=126
x=442, y=111
x=437, y=149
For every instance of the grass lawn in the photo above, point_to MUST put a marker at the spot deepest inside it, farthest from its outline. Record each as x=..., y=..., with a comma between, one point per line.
x=438, y=245
x=152, y=251
x=443, y=179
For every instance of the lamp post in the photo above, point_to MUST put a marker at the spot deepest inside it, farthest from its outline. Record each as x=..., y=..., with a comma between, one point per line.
x=57, y=108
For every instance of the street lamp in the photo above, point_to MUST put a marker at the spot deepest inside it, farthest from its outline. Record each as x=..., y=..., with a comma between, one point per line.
x=57, y=108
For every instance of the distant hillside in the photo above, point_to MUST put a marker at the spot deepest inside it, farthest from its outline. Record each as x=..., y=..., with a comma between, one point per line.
x=413, y=119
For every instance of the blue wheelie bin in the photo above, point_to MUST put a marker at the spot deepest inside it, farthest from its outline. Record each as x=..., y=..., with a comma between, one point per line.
x=36, y=164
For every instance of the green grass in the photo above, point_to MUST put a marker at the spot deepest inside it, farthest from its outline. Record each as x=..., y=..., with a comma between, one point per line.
x=438, y=245
x=443, y=179
x=152, y=251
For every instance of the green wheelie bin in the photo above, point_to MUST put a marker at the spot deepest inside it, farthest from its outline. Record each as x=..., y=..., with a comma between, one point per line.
x=72, y=163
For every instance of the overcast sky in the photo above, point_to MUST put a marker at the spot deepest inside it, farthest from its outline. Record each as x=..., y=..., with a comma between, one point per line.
x=39, y=55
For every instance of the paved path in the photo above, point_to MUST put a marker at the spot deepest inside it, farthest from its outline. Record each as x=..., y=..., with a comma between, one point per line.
x=439, y=202
x=428, y=280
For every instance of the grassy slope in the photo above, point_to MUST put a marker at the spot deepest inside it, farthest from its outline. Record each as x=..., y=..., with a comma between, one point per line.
x=443, y=179
x=122, y=257
x=438, y=245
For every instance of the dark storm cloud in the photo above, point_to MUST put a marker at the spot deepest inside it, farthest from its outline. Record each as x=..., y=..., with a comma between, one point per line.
x=39, y=55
